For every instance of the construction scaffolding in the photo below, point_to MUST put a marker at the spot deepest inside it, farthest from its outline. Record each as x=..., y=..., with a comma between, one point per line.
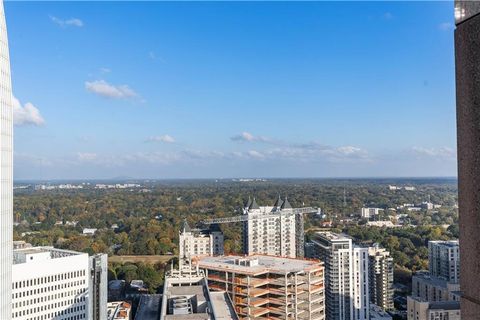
x=267, y=292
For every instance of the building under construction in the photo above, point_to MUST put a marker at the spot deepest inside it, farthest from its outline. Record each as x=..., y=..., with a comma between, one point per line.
x=266, y=287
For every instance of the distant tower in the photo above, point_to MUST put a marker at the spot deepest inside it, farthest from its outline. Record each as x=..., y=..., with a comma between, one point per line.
x=6, y=185
x=344, y=197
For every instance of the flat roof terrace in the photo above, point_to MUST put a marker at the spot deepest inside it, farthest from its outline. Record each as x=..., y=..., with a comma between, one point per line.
x=259, y=264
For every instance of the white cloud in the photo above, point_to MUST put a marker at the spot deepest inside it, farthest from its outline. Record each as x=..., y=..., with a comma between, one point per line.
x=349, y=150
x=248, y=137
x=104, y=70
x=26, y=115
x=165, y=138
x=107, y=90
x=75, y=22
x=86, y=156
x=446, y=26
x=443, y=152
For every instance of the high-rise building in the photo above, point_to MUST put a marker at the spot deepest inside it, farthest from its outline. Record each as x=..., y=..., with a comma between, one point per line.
x=98, y=286
x=199, y=242
x=266, y=287
x=346, y=276
x=6, y=178
x=360, y=289
x=50, y=283
x=431, y=288
x=381, y=277
x=272, y=230
x=444, y=260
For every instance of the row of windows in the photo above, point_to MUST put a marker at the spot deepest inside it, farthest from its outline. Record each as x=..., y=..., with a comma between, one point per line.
x=61, y=295
x=48, y=279
x=64, y=314
x=36, y=291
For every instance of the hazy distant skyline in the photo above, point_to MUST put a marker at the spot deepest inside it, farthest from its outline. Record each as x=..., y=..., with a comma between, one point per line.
x=247, y=89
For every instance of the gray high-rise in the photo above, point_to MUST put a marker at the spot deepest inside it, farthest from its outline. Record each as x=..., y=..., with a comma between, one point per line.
x=444, y=260
x=6, y=184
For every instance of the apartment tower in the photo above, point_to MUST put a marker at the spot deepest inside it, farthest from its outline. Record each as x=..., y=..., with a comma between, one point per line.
x=6, y=184
x=444, y=260
x=346, y=276
x=199, y=242
x=380, y=277
x=273, y=230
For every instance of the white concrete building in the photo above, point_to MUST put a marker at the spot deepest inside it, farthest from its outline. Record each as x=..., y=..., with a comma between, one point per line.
x=200, y=242
x=50, y=283
x=6, y=178
x=380, y=278
x=89, y=231
x=370, y=212
x=274, y=230
x=360, y=289
x=444, y=260
x=346, y=276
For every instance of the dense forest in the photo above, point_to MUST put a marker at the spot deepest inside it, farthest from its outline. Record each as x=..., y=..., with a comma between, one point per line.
x=149, y=219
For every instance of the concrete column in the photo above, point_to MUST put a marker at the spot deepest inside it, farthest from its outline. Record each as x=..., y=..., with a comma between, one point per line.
x=467, y=60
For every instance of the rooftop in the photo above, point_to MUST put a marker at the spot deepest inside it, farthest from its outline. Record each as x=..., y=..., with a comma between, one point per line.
x=149, y=307
x=46, y=253
x=186, y=296
x=333, y=236
x=222, y=306
x=257, y=264
x=438, y=305
x=445, y=305
x=425, y=276
x=449, y=243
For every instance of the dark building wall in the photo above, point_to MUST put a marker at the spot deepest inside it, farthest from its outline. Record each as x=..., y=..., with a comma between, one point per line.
x=467, y=56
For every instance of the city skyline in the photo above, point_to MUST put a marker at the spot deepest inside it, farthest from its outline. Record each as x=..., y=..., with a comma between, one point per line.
x=189, y=90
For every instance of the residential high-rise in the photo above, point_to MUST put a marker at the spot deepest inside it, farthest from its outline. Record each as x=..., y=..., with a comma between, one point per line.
x=265, y=287
x=444, y=260
x=50, y=283
x=6, y=178
x=431, y=288
x=198, y=242
x=272, y=230
x=360, y=289
x=381, y=277
x=346, y=276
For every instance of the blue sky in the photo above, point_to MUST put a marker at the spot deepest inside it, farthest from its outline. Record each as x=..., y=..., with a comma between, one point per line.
x=247, y=89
